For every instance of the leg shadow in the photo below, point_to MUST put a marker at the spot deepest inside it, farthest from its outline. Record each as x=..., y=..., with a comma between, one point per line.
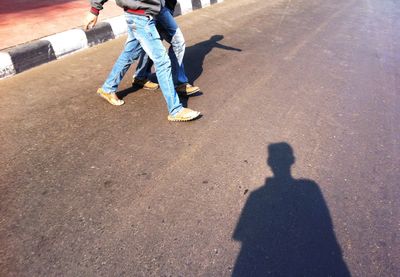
x=123, y=93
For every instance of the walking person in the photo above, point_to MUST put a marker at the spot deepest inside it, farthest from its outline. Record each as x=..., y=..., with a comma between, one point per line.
x=142, y=35
x=169, y=30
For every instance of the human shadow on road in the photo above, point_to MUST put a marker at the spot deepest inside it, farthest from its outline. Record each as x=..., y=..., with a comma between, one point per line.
x=285, y=227
x=193, y=63
x=196, y=54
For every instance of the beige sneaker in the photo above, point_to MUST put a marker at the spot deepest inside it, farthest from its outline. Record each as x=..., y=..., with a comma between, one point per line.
x=187, y=89
x=184, y=115
x=145, y=83
x=110, y=97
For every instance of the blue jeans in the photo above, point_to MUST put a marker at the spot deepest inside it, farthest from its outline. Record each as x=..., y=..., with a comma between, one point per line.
x=143, y=35
x=169, y=30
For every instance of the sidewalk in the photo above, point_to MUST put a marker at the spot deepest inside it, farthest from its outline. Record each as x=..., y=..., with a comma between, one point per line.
x=22, y=21
x=36, y=32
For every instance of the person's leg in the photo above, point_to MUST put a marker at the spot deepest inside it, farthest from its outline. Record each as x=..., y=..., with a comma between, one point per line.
x=130, y=53
x=146, y=33
x=170, y=31
x=143, y=71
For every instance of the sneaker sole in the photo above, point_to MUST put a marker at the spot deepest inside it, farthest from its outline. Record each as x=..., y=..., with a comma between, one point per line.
x=144, y=87
x=183, y=119
x=192, y=92
x=106, y=99
x=188, y=93
x=151, y=89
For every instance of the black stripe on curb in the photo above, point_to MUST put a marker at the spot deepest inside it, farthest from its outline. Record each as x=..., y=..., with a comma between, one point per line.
x=99, y=34
x=196, y=4
x=178, y=9
x=30, y=55
x=41, y=51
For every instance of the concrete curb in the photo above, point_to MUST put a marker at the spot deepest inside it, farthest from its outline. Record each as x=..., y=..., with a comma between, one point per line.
x=26, y=56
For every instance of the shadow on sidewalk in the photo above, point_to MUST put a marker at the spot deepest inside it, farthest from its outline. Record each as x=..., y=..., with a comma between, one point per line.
x=285, y=227
x=13, y=6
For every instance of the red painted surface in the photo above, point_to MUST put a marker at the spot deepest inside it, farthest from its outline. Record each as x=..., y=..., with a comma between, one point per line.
x=26, y=20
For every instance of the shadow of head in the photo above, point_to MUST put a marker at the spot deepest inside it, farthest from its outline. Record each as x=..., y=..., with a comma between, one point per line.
x=216, y=38
x=280, y=158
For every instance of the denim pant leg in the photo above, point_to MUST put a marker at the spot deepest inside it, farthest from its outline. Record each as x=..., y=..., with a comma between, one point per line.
x=143, y=69
x=171, y=32
x=144, y=30
x=176, y=52
x=130, y=53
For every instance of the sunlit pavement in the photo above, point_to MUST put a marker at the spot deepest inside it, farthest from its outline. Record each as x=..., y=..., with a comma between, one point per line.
x=292, y=170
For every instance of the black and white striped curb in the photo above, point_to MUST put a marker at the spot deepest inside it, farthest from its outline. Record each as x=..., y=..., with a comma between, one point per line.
x=29, y=55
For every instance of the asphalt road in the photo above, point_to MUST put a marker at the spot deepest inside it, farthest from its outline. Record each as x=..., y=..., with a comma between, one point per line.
x=293, y=170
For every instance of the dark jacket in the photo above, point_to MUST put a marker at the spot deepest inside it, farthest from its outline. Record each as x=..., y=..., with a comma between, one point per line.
x=151, y=7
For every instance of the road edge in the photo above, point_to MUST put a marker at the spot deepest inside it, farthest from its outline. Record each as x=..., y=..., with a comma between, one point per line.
x=22, y=57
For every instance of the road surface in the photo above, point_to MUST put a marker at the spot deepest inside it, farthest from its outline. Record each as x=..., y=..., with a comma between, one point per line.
x=292, y=169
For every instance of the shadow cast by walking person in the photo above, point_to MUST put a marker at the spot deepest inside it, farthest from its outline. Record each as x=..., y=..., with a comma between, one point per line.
x=195, y=55
x=285, y=227
x=193, y=64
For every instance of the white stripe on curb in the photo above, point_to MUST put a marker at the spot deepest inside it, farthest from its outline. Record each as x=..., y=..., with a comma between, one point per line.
x=6, y=65
x=118, y=25
x=68, y=41
x=73, y=40
x=186, y=6
x=205, y=3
